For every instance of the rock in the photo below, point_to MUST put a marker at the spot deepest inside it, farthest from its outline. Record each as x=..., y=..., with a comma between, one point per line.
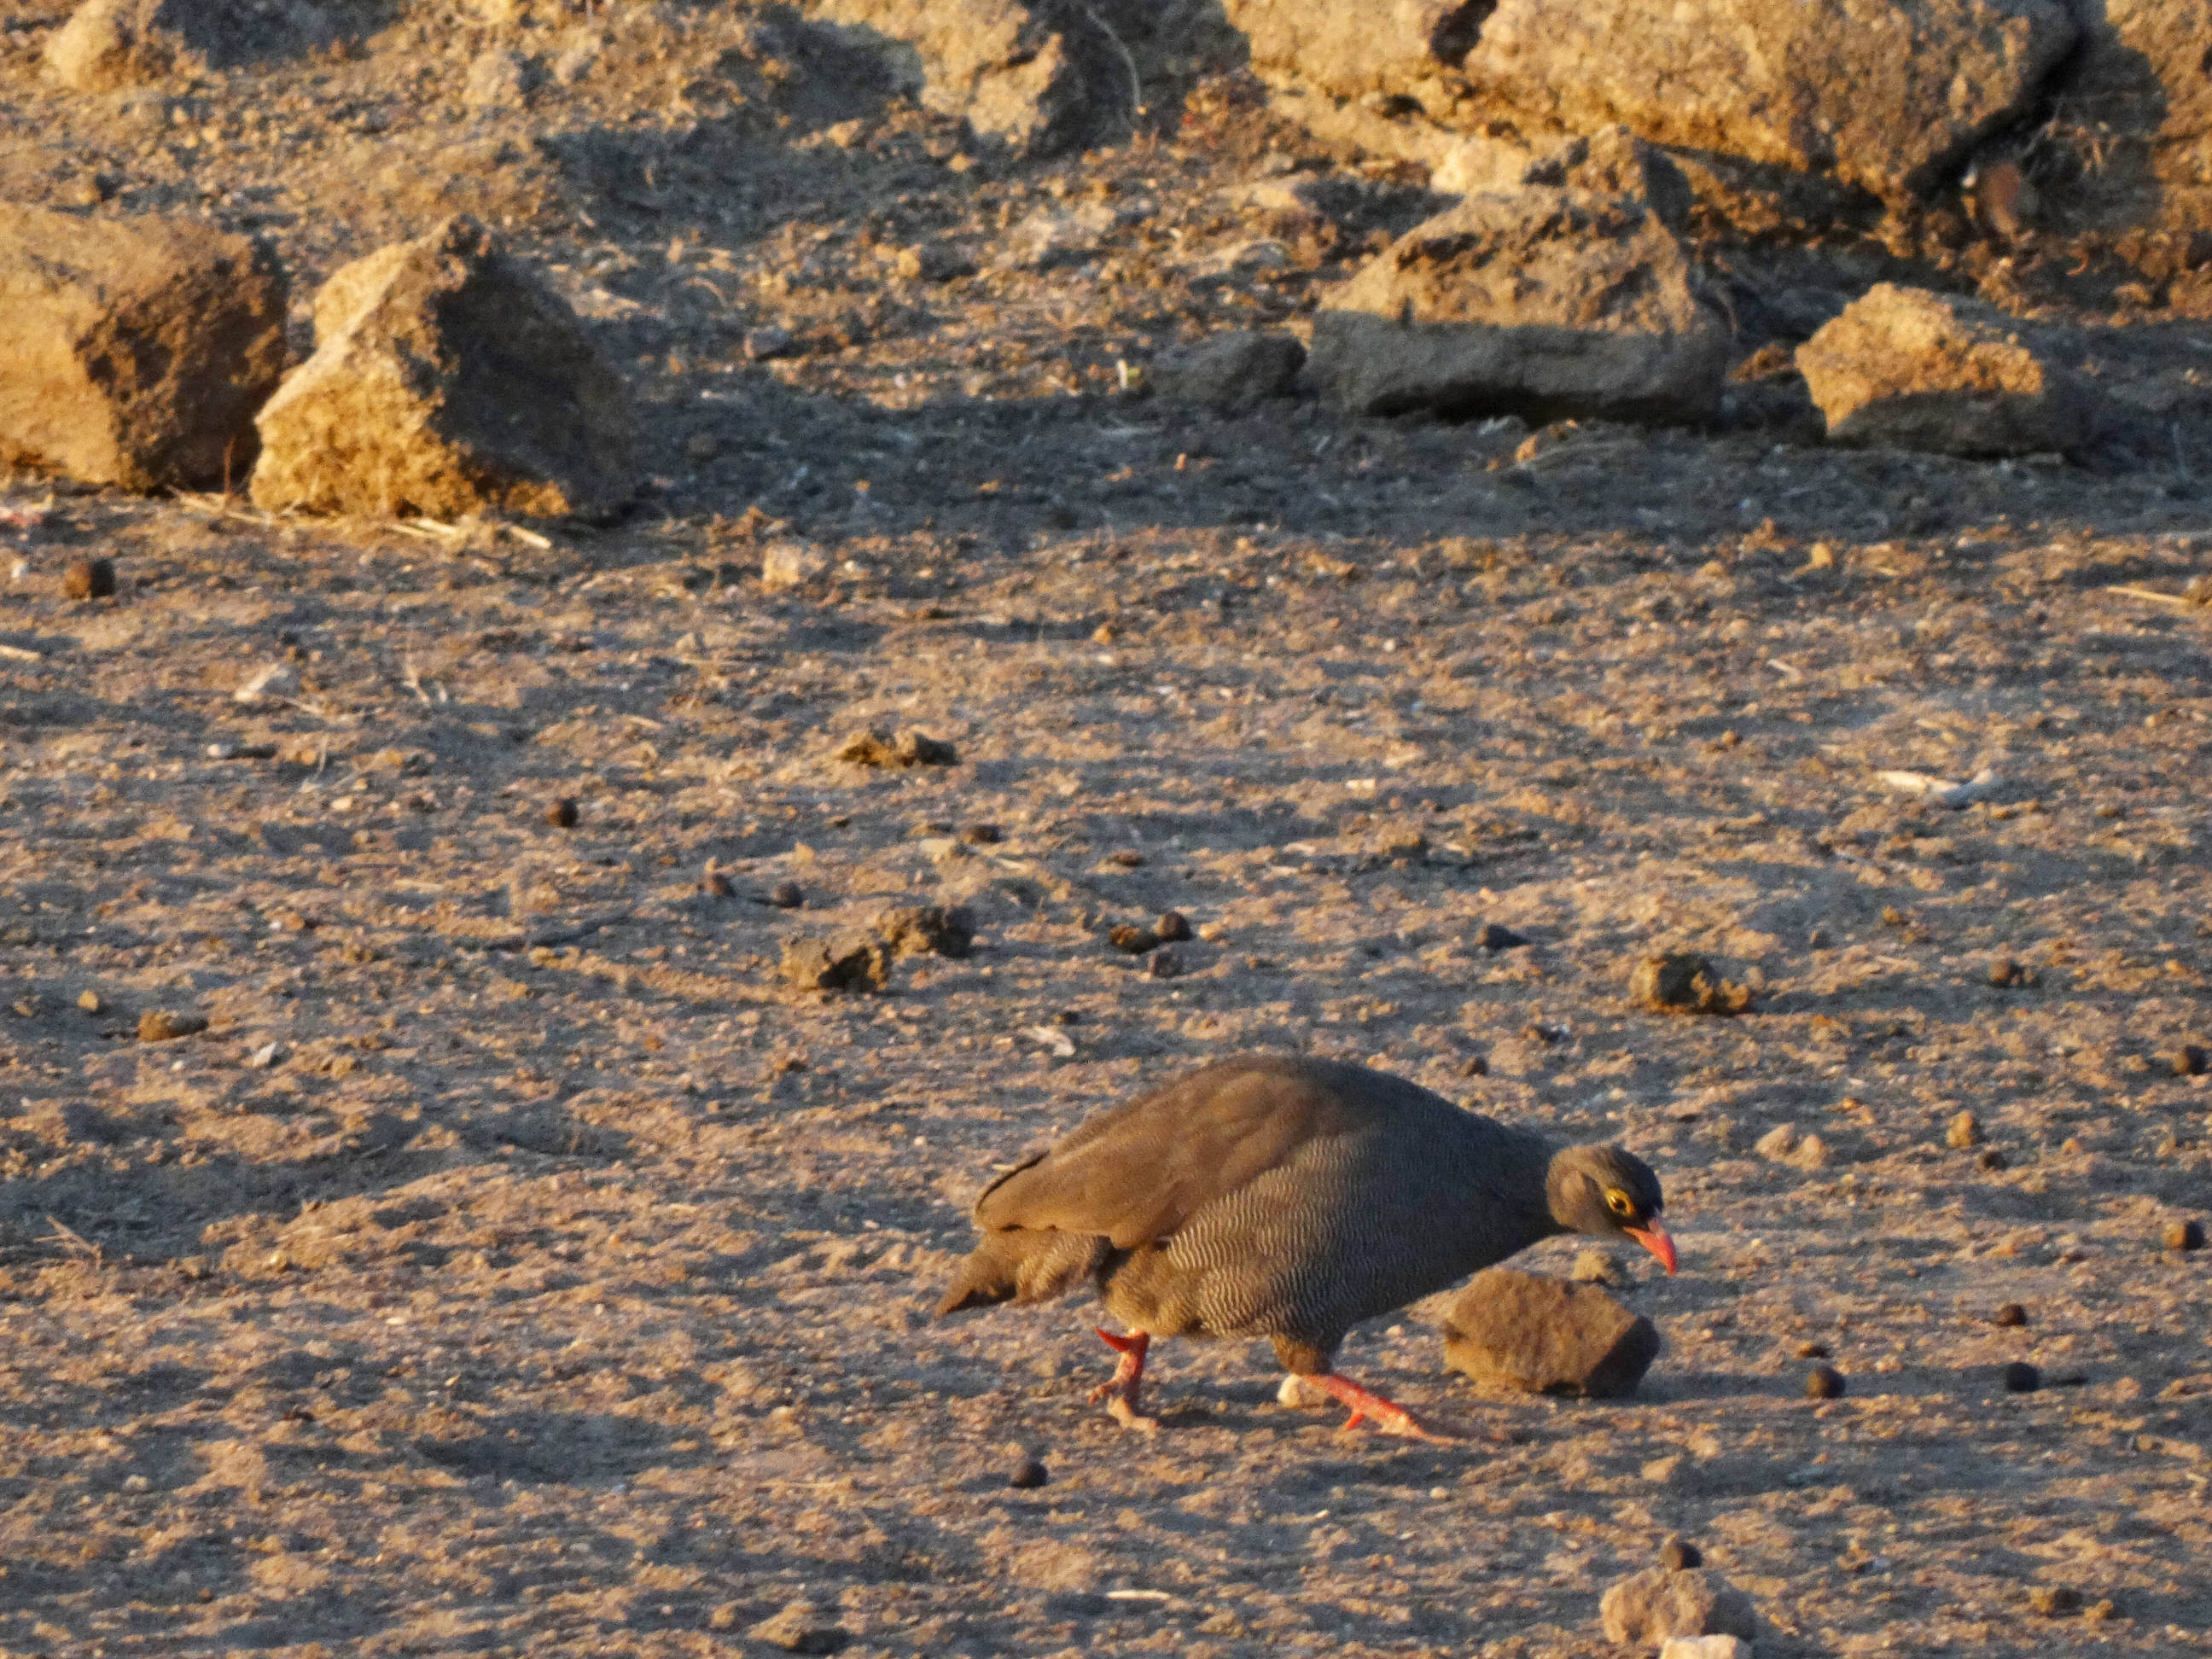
x=1824, y=1383
x=134, y=351
x=714, y=884
x=270, y=683
x=498, y=78
x=89, y=579
x=1515, y=1330
x=2005, y=972
x=1992, y=1158
x=851, y=961
x=1681, y=983
x=1134, y=941
x=1164, y=964
x=1659, y=1602
x=981, y=834
x=2191, y=1060
x=2021, y=1377
x=164, y=1025
x=767, y=343
x=789, y=563
x=2140, y=66
x=2009, y=1313
x=89, y=1001
x=1912, y=369
x=919, y=929
x=2183, y=1236
x=1351, y=51
x=1550, y=303
x=2055, y=1600
x=1027, y=1475
x=801, y=1627
x=1172, y=927
x=1965, y=1131
x=1678, y=1554
x=1890, y=97
x=110, y=43
x=448, y=380
x=1231, y=373
x=1036, y=79
x=1705, y=1647
x=561, y=813
x=1786, y=1143
x=1492, y=937
x=785, y=895
x=914, y=748
x=909, y=747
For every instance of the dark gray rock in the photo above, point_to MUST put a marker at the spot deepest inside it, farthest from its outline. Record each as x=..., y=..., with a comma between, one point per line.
x=1231, y=373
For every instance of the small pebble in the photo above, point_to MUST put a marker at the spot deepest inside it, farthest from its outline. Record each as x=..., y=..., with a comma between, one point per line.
x=2010, y=1313
x=2183, y=1236
x=1965, y=1130
x=89, y=1001
x=89, y=579
x=2004, y=971
x=1492, y=937
x=1164, y=964
x=1680, y=1555
x=785, y=895
x=981, y=834
x=1172, y=925
x=2021, y=1377
x=1135, y=940
x=1813, y=1351
x=561, y=813
x=1992, y=1158
x=1475, y=1067
x=2054, y=1600
x=1028, y=1473
x=1824, y=1383
x=2191, y=1060
x=715, y=885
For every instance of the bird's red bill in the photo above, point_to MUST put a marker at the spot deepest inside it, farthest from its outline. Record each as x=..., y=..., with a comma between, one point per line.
x=1654, y=1238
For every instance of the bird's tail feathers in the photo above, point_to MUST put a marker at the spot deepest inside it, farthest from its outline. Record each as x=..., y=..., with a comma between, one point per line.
x=1022, y=1265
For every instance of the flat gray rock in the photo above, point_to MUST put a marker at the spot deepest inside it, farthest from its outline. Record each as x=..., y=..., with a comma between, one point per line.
x=1519, y=1331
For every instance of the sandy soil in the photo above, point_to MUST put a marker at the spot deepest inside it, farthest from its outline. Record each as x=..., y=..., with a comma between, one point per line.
x=516, y=1265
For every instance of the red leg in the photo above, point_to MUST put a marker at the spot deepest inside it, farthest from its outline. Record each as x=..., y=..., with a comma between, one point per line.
x=1120, y=1391
x=1390, y=1418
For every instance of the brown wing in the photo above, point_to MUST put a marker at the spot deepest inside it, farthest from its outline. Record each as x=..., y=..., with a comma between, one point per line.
x=1136, y=1173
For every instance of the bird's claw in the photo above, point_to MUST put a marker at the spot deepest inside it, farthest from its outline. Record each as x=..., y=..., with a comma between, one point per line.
x=1119, y=1408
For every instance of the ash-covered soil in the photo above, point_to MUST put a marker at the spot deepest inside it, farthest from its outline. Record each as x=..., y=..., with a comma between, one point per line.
x=516, y=1264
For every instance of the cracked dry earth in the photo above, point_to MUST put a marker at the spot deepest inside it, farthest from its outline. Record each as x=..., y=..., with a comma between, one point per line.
x=557, y=1283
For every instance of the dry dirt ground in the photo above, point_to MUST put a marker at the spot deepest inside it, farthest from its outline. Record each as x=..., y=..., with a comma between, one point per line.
x=514, y=1265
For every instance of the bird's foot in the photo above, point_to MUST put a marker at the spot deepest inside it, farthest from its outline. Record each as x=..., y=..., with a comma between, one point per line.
x=1120, y=1391
x=1123, y=1410
x=1386, y=1416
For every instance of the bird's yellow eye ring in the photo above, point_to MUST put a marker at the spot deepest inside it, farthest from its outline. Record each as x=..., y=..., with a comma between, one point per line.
x=1619, y=1202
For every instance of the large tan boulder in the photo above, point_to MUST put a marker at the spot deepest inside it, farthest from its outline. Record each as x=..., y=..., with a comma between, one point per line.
x=1911, y=369
x=448, y=380
x=1570, y=296
x=2141, y=99
x=134, y=352
x=1888, y=94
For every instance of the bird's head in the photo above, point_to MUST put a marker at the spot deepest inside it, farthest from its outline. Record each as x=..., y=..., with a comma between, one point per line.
x=1601, y=1190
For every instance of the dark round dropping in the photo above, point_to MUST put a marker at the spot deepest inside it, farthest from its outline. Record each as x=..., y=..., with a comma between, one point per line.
x=1173, y=925
x=1027, y=1474
x=561, y=813
x=1680, y=1555
x=89, y=579
x=1824, y=1383
x=2183, y=1236
x=2010, y=1313
x=785, y=895
x=2191, y=1060
x=2021, y=1377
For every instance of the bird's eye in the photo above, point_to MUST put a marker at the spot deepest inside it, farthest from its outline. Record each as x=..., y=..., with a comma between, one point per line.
x=1619, y=1202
